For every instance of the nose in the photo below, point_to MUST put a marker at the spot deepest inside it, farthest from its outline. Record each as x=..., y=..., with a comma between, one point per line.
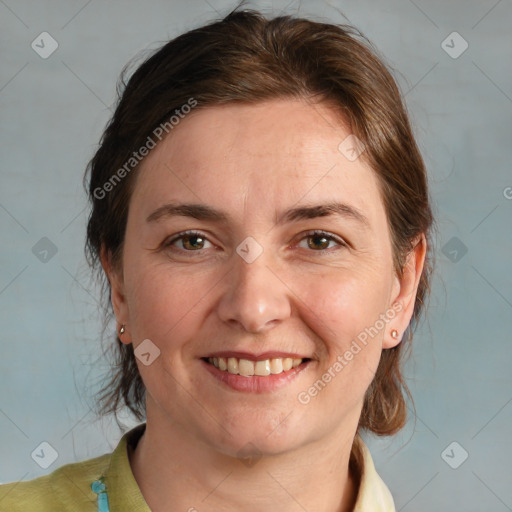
x=255, y=298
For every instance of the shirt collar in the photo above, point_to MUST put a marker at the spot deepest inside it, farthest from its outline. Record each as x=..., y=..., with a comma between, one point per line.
x=373, y=494
x=122, y=488
x=124, y=493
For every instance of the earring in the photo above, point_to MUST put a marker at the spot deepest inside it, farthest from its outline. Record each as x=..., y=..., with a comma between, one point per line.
x=121, y=331
x=394, y=334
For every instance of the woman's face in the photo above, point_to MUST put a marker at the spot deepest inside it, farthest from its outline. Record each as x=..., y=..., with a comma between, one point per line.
x=253, y=282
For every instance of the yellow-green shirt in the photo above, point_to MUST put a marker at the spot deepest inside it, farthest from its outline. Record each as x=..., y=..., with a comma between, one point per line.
x=68, y=488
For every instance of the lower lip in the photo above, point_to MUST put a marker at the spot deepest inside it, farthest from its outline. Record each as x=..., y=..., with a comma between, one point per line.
x=256, y=383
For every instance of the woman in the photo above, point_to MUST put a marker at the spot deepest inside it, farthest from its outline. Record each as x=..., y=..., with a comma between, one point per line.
x=260, y=210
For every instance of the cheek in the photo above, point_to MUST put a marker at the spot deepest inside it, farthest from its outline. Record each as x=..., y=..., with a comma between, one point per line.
x=168, y=305
x=344, y=311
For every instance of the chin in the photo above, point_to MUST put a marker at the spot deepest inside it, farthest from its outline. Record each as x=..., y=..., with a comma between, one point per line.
x=254, y=447
x=255, y=436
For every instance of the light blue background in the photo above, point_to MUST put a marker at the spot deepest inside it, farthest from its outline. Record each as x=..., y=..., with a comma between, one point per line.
x=52, y=114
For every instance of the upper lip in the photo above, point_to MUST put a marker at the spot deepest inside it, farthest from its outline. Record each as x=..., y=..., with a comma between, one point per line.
x=256, y=357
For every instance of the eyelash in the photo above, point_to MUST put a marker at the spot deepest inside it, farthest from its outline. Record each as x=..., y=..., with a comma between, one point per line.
x=308, y=234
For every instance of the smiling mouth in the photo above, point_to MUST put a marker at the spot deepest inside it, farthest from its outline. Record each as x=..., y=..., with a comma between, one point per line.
x=248, y=368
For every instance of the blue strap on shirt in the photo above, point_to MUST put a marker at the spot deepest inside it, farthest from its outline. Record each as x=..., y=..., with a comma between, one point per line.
x=100, y=489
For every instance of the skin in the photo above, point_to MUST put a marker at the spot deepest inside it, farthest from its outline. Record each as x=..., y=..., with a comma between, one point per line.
x=302, y=294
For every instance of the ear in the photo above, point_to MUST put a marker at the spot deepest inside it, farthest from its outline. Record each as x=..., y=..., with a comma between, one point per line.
x=117, y=294
x=404, y=292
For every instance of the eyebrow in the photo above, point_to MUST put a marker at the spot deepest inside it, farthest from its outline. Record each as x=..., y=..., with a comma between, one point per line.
x=207, y=213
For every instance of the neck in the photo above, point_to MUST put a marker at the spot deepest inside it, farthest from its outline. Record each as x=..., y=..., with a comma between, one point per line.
x=189, y=475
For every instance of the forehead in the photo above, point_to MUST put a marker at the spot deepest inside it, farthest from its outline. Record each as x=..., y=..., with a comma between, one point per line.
x=258, y=158
x=282, y=129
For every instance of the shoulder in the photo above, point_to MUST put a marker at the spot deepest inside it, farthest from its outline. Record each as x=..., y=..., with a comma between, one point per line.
x=66, y=488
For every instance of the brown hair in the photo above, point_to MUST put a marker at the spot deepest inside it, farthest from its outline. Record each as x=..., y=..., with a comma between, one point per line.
x=248, y=58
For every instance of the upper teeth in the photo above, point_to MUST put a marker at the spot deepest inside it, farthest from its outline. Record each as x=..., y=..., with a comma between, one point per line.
x=247, y=368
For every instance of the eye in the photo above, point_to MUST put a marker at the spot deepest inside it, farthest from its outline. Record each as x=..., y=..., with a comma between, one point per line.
x=320, y=240
x=191, y=241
